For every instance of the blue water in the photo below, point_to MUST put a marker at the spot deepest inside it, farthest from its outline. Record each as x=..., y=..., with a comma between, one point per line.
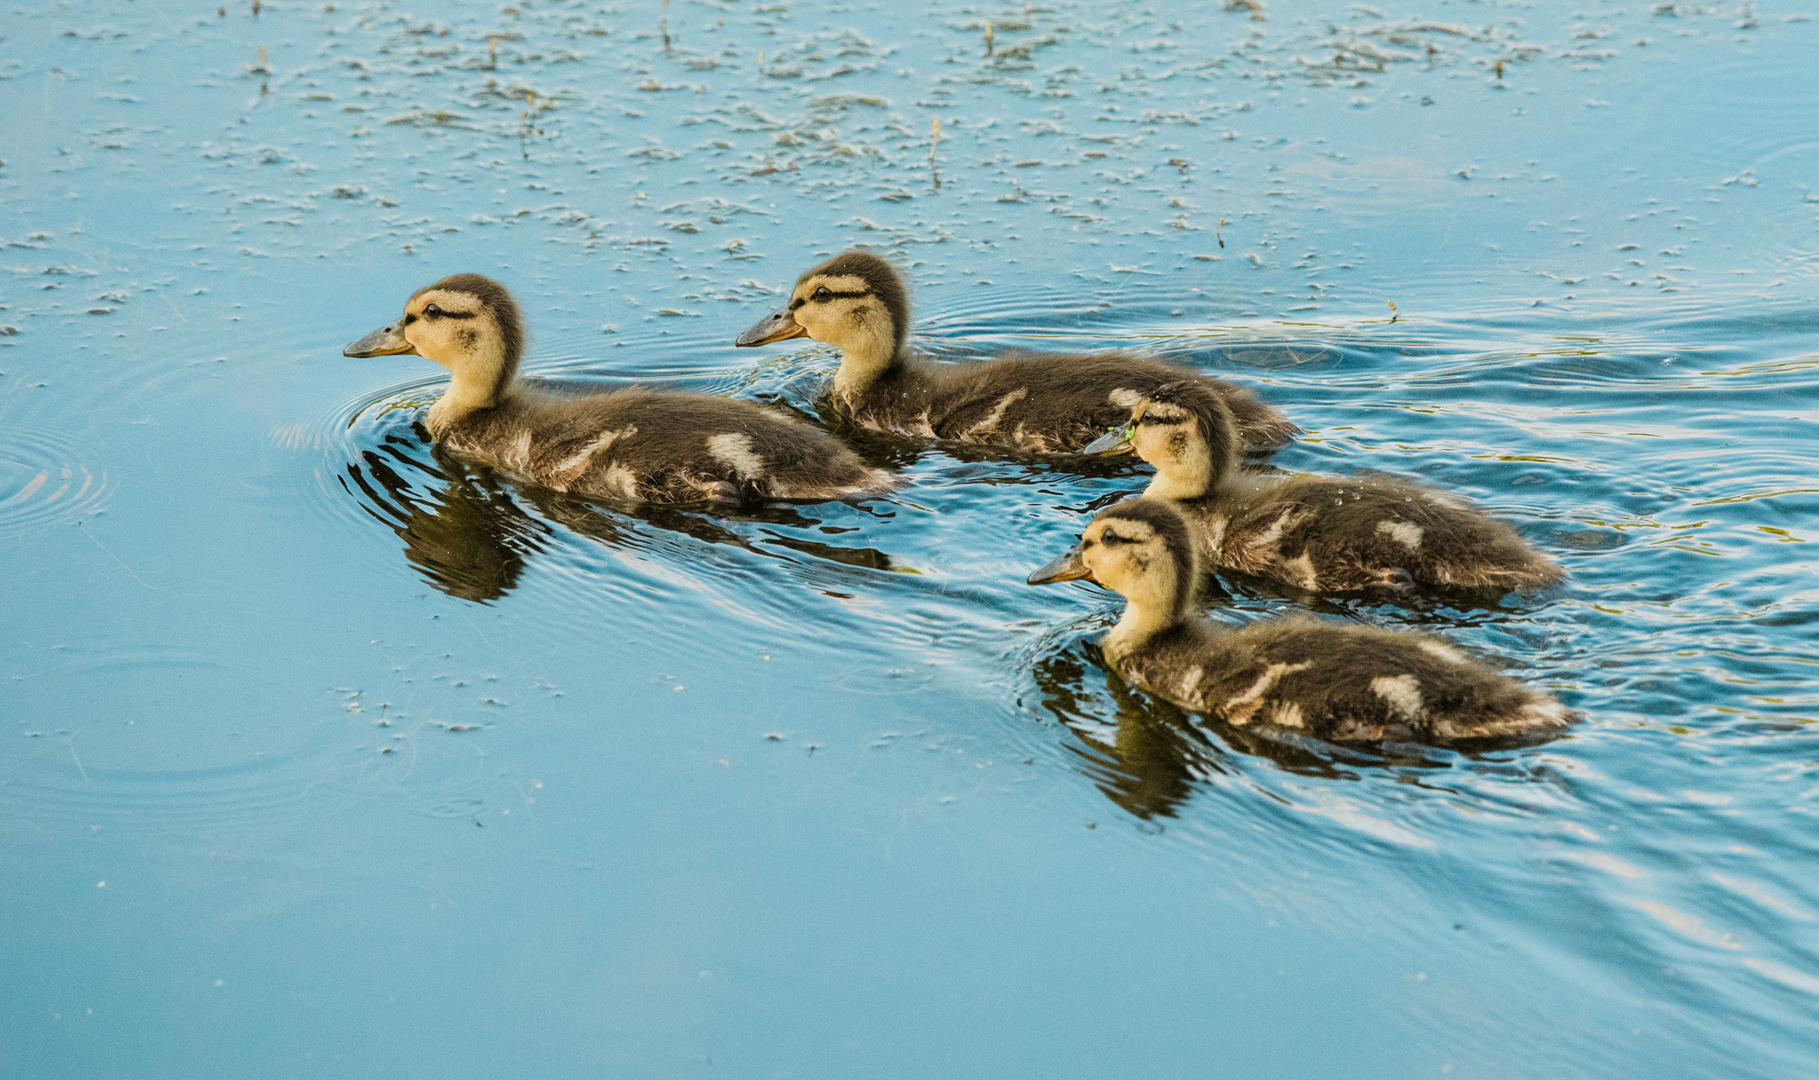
x=330, y=758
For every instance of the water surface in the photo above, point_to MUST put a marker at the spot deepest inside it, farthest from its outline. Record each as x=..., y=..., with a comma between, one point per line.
x=333, y=757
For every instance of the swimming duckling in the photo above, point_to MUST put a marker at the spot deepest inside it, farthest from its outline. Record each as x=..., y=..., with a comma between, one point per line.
x=635, y=444
x=1321, y=533
x=1039, y=402
x=1336, y=682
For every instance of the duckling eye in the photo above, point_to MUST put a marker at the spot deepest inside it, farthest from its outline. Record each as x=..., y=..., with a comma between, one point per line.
x=822, y=294
x=432, y=311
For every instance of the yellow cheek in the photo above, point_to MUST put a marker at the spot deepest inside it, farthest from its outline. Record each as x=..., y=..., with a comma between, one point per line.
x=418, y=334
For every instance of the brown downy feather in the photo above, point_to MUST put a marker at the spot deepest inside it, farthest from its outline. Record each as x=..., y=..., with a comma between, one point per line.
x=1041, y=402
x=1333, y=681
x=1332, y=534
x=651, y=446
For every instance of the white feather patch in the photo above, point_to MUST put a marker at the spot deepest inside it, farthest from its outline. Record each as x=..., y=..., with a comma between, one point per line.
x=1409, y=536
x=572, y=467
x=1240, y=709
x=736, y=453
x=1269, y=537
x=992, y=419
x=1403, y=692
x=1547, y=714
x=620, y=481
x=1444, y=652
x=518, y=455
x=1287, y=714
x=1301, y=571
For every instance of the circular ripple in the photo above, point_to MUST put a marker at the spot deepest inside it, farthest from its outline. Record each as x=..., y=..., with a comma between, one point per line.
x=43, y=481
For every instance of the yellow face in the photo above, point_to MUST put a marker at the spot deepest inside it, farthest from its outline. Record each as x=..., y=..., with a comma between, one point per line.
x=1112, y=551
x=1161, y=433
x=1156, y=433
x=443, y=326
x=439, y=324
x=831, y=309
x=837, y=309
x=1115, y=550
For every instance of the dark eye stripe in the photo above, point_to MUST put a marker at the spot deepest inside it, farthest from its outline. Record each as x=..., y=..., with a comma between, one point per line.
x=832, y=295
x=1150, y=418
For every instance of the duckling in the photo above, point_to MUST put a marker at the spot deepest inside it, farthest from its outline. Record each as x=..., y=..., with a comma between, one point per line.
x=635, y=444
x=1320, y=533
x=1047, y=403
x=1335, y=682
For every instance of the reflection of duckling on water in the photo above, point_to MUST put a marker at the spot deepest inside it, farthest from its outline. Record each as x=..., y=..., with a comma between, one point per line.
x=1320, y=533
x=1044, y=403
x=1344, y=683
x=626, y=444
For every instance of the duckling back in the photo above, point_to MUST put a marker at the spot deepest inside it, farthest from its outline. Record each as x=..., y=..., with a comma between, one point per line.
x=1042, y=402
x=1333, y=534
x=650, y=446
x=1340, y=683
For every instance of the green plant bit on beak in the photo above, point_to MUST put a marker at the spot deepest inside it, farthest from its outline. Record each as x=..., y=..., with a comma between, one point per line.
x=1115, y=441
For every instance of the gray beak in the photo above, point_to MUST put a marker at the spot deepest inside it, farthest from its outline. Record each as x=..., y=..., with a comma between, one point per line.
x=780, y=326
x=386, y=341
x=1114, y=442
x=1067, y=566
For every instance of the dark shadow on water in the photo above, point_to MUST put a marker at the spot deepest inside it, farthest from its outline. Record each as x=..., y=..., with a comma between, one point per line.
x=617, y=524
x=465, y=531
x=1161, y=756
x=467, y=537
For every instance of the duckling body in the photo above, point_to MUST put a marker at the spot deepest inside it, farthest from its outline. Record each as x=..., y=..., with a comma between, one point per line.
x=650, y=446
x=1337, y=682
x=633, y=444
x=1038, y=402
x=1320, y=533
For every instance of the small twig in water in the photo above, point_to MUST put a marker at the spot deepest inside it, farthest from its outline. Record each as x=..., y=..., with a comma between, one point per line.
x=1394, y=314
x=1219, y=232
x=528, y=124
x=988, y=37
x=116, y=558
x=934, y=140
x=78, y=761
x=665, y=27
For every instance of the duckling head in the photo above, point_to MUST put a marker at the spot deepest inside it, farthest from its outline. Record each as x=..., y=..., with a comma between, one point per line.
x=1183, y=429
x=467, y=323
x=1142, y=550
x=854, y=300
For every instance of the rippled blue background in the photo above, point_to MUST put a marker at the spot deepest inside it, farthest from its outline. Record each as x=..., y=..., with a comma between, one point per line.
x=325, y=758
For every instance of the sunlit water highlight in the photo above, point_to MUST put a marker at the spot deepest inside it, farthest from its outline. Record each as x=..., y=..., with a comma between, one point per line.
x=335, y=756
